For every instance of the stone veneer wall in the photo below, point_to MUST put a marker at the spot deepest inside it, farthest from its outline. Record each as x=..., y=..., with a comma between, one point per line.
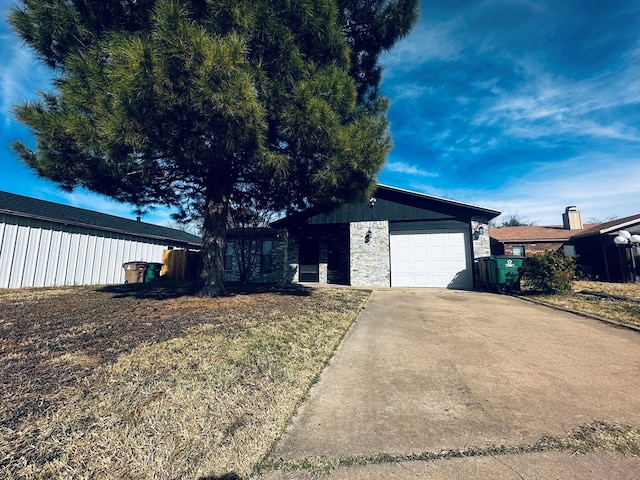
x=370, y=261
x=481, y=246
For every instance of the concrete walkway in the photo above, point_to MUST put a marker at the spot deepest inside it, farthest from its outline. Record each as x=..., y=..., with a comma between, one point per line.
x=433, y=370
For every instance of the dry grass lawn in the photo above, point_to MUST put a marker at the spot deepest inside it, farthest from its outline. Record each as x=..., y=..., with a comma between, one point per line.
x=139, y=381
x=619, y=302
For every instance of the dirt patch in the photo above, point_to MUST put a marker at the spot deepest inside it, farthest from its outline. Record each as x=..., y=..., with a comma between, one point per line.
x=52, y=338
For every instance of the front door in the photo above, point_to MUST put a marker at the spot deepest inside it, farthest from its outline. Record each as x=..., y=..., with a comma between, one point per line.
x=309, y=260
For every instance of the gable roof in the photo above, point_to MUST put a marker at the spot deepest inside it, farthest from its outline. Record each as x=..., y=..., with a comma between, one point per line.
x=478, y=210
x=392, y=204
x=27, y=207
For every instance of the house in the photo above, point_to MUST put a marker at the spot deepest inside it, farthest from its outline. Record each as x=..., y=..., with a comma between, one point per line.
x=529, y=240
x=398, y=238
x=599, y=256
x=592, y=244
x=44, y=244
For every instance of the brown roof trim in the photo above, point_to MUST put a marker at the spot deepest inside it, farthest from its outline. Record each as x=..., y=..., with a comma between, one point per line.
x=534, y=233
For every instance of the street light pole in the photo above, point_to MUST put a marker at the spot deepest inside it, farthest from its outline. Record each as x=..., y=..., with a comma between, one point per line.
x=626, y=240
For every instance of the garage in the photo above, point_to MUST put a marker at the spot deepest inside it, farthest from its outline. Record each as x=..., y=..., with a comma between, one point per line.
x=428, y=259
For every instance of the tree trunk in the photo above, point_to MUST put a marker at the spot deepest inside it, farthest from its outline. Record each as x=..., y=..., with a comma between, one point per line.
x=210, y=278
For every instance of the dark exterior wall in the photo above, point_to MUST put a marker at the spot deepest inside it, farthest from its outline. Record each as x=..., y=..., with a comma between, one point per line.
x=600, y=259
x=381, y=211
x=335, y=237
x=339, y=274
x=280, y=265
x=398, y=206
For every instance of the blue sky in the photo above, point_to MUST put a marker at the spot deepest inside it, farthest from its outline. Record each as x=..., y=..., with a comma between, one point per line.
x=523, y=106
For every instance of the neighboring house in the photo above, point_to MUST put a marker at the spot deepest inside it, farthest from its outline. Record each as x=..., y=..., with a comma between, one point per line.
x=592, y=244
x=599, y=256
x=44, y=244
x=529, y=240
x=398, y=238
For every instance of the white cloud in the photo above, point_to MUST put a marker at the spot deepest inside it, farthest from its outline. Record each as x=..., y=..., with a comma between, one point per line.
x=429, y=41
x=409, y=91
x=406, y=169
x=600, y=186
x=550, y=105
x=20, y=76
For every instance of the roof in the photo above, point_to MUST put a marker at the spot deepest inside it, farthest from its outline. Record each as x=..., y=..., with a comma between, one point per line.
x=27, y=207
x=394, y=204
x=556, y=233
x=610, y=227
x=534, y=233
x=491, y=213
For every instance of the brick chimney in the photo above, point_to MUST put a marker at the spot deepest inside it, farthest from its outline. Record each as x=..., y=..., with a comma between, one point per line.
x=572, y=219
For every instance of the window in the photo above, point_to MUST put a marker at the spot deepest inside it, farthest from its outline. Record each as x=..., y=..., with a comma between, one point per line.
x=228, y=257
x=569, y=250
x=518, y=250
x=266, y=259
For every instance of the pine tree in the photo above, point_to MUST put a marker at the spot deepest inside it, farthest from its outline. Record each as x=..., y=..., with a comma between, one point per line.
x=186, y=103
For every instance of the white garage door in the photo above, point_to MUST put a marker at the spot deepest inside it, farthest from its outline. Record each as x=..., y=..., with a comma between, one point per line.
x=430, y=260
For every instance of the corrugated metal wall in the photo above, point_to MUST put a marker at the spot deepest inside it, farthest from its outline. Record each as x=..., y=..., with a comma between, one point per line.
x=36, y=253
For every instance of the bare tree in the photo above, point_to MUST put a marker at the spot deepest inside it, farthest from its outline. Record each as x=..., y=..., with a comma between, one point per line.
x=512, y=220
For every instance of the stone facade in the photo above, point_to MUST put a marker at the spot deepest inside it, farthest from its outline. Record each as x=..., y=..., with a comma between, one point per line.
x=481, y=245
x=369, y=254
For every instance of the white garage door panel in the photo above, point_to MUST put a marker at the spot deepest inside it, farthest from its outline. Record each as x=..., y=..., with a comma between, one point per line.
x=430, y=260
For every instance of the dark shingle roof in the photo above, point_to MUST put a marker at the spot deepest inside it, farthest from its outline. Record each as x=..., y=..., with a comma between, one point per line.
x=421, y=201
x=28, y=207
x=612, y=226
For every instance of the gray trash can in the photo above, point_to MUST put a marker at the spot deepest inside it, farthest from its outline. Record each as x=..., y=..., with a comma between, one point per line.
x=134, y=272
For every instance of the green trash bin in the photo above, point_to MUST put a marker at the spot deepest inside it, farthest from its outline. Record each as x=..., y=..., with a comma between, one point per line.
x=153, y=272
x=504, y=272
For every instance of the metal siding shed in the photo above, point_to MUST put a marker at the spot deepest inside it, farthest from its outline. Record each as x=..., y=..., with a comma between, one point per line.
x=46, y=244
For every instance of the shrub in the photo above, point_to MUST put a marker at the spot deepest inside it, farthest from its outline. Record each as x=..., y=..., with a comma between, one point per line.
x=549, y=272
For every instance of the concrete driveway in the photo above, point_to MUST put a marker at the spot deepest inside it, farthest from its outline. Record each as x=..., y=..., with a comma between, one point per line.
x=432, y=370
